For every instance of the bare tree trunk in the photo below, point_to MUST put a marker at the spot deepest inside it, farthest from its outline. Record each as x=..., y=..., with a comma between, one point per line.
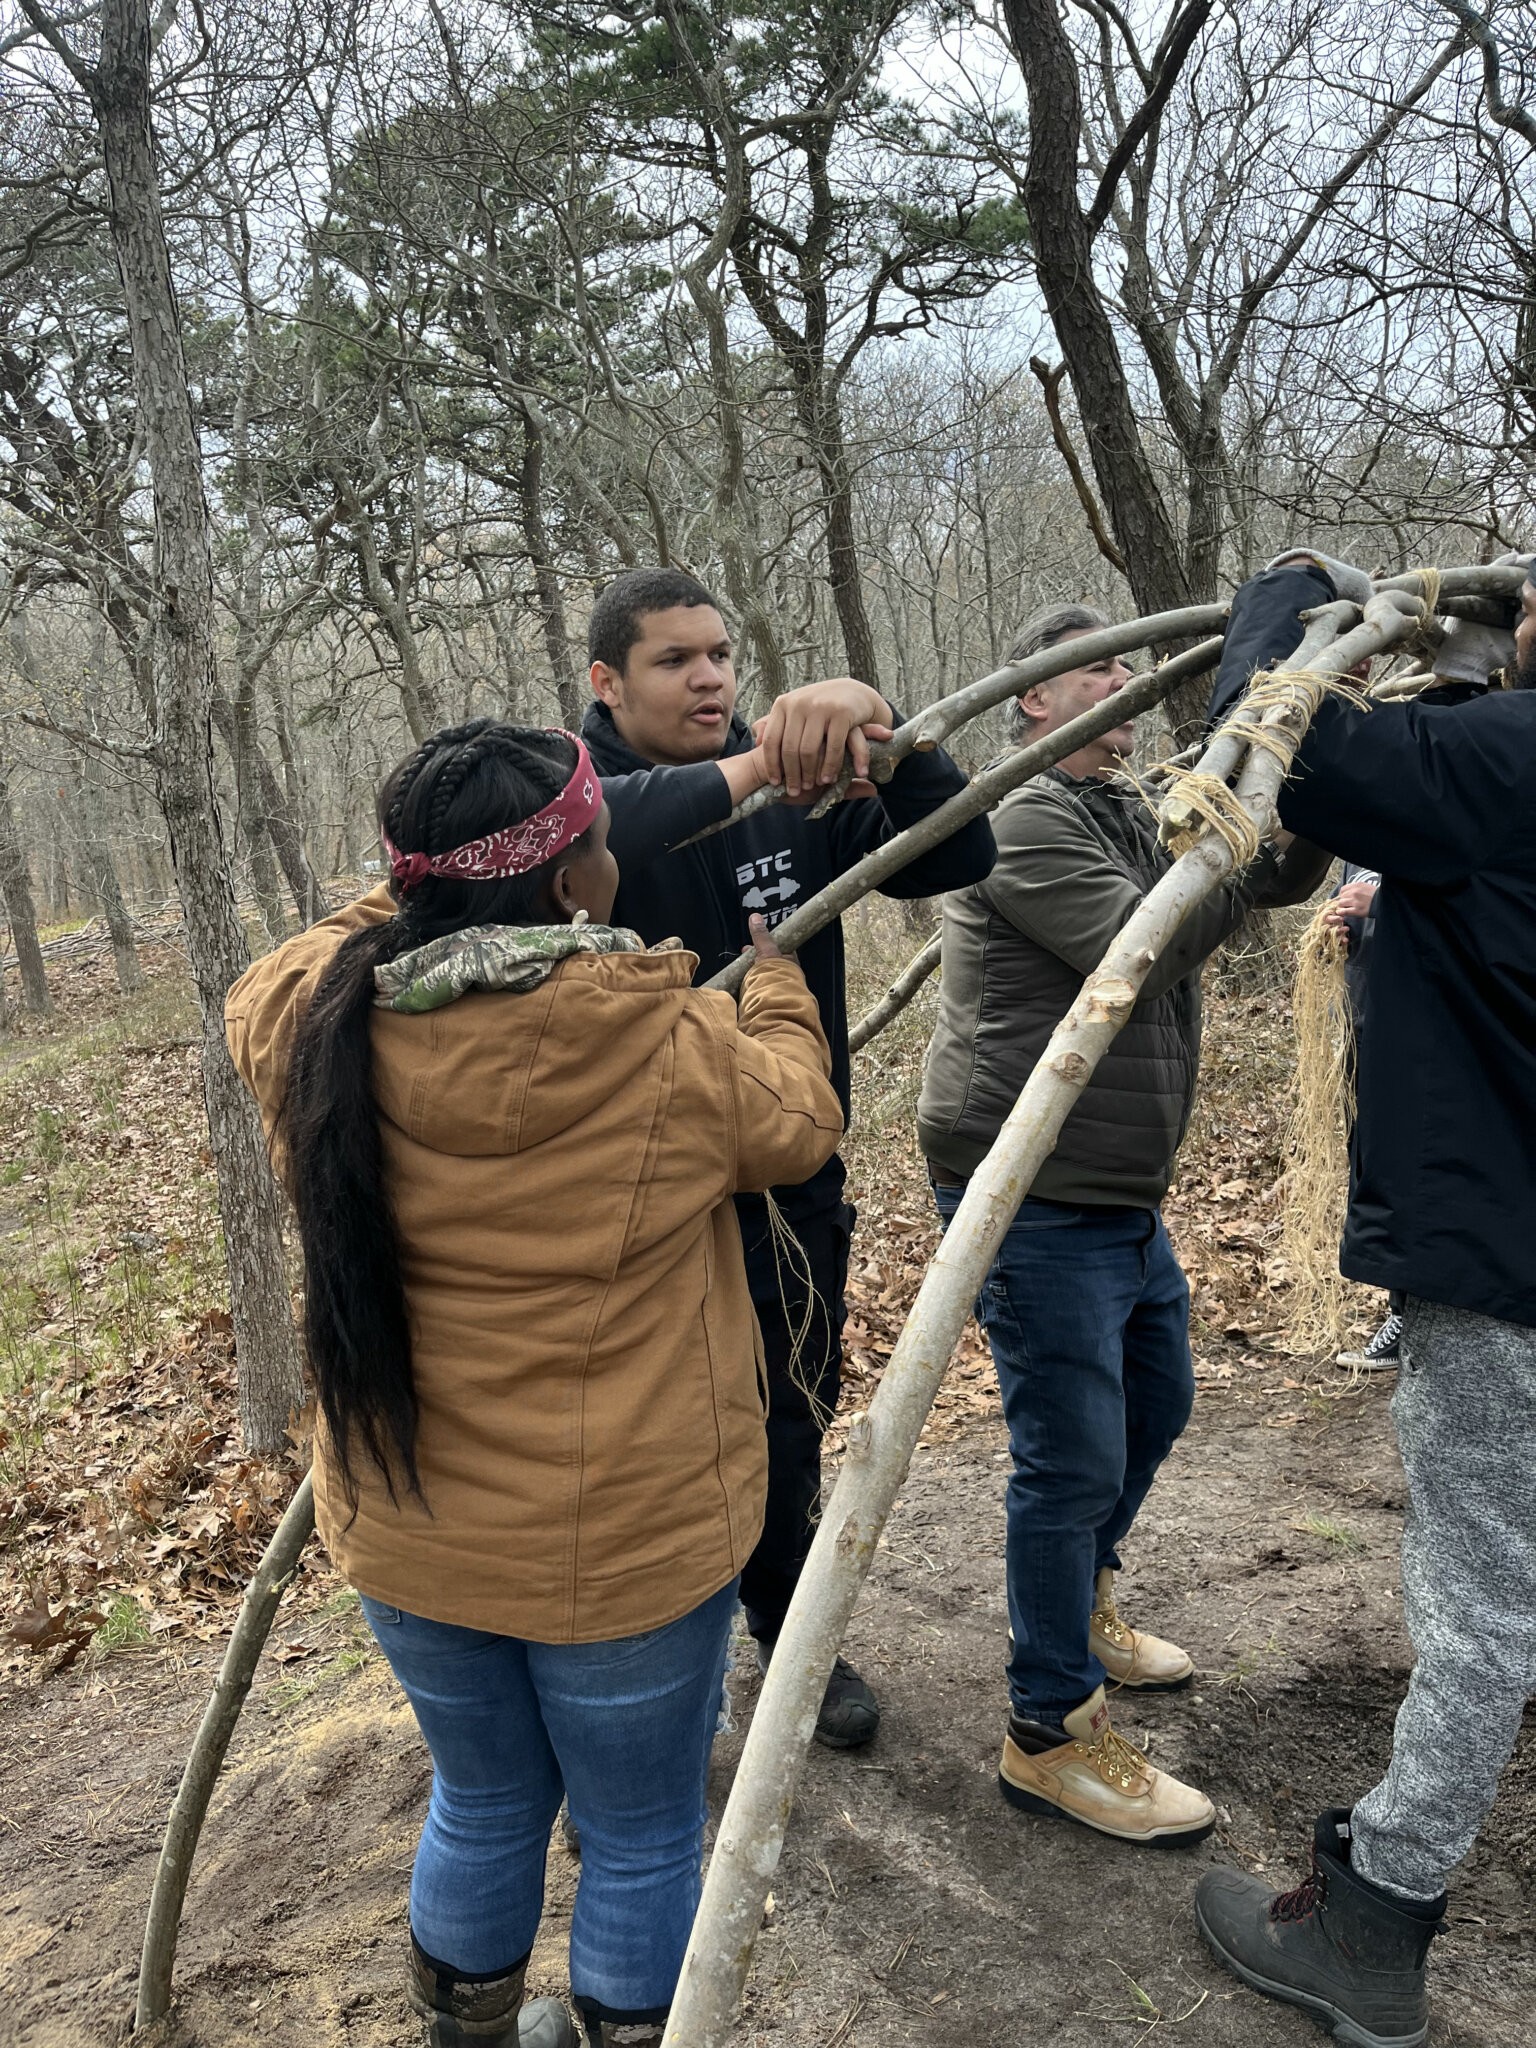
x=20, y=911
x=735, y=524
x=182, y=630
x=546, y=578
x=1063, y=241
x=235, y=731
x=288, y=815
x=84, y=777
x=288, y=842
x=844, y=571
x=264, y=819
x=85, y=772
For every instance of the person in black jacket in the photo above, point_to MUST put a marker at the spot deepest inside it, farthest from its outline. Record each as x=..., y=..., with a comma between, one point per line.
x=1465, y=661
x=665, y=688
x=1440, y=800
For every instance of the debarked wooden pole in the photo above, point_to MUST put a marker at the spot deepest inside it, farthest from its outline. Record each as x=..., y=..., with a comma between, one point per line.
x=984, y=792
x=934, y=724
x=898, y=995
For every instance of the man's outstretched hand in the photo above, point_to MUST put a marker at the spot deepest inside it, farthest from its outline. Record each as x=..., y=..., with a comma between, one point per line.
x=808, y=732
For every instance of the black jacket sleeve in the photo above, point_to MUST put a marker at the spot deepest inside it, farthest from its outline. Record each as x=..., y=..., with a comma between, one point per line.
x=652, y=809
x=1423, y=793
x=1263, y=627
x=918, y=787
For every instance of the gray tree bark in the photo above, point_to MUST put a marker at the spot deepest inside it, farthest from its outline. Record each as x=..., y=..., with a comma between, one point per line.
x=234, y=725
x=184, y=687
x=20, y=911
x=85, y=780
x=1063, y=239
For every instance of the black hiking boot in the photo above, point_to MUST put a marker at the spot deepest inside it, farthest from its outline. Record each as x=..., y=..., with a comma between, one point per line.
x=850, y=1713
x=1342, y=1948
x=484, y=2012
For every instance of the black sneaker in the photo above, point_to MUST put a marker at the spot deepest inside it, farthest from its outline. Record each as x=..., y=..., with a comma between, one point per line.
x=1382, y=1353
x=850, y=1713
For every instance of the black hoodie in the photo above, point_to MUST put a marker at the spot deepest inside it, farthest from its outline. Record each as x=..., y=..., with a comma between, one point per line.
x=771, y=862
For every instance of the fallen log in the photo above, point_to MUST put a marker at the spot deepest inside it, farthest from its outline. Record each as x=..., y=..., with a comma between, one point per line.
x=881, y=1442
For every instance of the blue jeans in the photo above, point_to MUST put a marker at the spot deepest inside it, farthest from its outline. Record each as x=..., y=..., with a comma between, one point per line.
x=621, y=1729
x=1087, y=1314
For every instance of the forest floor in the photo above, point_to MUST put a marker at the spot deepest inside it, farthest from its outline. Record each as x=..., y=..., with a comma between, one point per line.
x=912, y=1905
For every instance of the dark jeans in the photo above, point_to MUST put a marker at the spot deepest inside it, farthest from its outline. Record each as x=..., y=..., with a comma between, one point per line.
x=1087, y=1313
x=794, y=1298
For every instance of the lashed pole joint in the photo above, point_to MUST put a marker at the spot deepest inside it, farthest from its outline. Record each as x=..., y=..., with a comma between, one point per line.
x=1474, y=592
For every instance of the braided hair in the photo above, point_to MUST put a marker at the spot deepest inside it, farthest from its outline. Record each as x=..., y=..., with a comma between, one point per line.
x=460, y=784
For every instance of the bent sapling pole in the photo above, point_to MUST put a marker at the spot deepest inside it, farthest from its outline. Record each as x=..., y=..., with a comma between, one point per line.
x=931, y=727
x=898, y=995
x=984, y=792
x=252, y=1627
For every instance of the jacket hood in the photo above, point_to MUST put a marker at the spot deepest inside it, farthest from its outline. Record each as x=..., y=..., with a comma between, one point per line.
x=502, y=1073
x=613, y=755
x=491, y=957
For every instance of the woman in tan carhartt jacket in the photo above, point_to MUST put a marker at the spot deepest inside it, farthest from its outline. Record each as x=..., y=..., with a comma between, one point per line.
x=512, y=1136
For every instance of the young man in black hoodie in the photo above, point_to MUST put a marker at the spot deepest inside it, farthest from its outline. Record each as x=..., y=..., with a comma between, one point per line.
x=665, y=690
x=1440, y=799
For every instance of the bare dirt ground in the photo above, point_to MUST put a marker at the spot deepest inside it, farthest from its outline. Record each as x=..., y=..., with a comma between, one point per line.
x=912, y=1905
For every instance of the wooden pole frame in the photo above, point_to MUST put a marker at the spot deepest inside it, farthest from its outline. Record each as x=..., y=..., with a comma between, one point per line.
x=881, y=1442
x=752, y=1833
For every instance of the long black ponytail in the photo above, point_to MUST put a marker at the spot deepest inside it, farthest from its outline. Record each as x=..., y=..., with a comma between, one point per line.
x=460, y=785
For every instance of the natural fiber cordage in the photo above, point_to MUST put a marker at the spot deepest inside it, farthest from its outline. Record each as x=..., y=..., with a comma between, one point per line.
x=1279, y=686
x=1315, y=1187
x=789, y=1256
x=1210, y=805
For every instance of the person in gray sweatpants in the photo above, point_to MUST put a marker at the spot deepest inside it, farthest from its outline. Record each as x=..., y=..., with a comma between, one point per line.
x=1465, y=1415
x=1440, y=799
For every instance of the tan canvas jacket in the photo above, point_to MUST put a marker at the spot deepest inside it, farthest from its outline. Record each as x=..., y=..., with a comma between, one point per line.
x=587, y=1361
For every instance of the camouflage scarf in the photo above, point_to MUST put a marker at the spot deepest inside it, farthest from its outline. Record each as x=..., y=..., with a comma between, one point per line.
x=510, y=958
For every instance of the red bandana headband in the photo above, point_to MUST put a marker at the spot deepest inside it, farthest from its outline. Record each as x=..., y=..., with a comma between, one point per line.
x=519, y=848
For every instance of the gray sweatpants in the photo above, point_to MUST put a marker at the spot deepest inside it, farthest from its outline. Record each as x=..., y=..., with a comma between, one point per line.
x=1465, y=1412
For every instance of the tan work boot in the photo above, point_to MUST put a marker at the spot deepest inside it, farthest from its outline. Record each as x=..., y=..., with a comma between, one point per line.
x=1094, y=1776
x=1146, y=1663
